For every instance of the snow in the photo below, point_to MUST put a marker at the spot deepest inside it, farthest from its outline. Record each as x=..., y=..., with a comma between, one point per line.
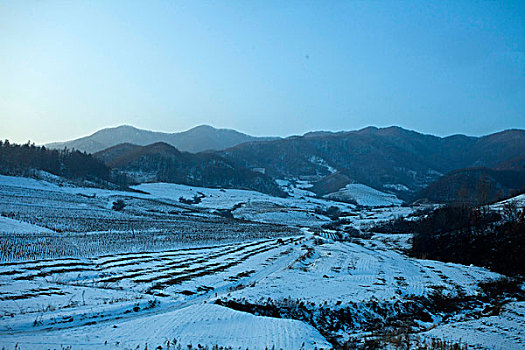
x=26, y=182
x=366, y=218
x=296, y=210
x=503, y=332
x=266, y=212
x=343, y=271
x=397, y=187
x=8, y=225
x=518, y=200
x=205, y=324
x=322, y=162
x=214, y=198
x=53, y=184
x=364, y=195
x=113, y=292
x=78, y=301
x=79, y=222
x=66, y=295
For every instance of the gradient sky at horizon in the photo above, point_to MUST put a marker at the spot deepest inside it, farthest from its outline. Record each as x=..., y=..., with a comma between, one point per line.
x=68, y=69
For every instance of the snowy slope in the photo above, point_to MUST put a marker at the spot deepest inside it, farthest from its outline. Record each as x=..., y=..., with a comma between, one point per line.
x=67, y=295
x=226, y=198
x=184, y=257
x=298, y=209
x=39, y=196
x=8, y=225
x=205, y=324
x=364, y=195
x=503, y=332
x=341, y=271
x=518, y=200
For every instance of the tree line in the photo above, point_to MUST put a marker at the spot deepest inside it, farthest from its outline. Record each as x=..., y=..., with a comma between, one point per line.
x=466, y=234
x=470, y=235
x=17, y=159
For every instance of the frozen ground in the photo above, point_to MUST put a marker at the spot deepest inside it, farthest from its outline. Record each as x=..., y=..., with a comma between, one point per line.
x=8, y=225
x=367, y=218
x=503, y=332
x=297, y=209
x=365, y=196
x=340, y=272
x=205, y=324
x=59, y=205
x=519, y=201
x=42, y=219
x=149, y=297
x=75, y=272
x=154, y=297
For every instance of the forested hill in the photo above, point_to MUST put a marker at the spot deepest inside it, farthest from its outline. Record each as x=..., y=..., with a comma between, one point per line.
x=390, y=159
x=161, y=162
x=23, y=159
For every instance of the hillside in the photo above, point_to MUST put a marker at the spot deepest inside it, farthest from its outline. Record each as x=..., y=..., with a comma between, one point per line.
x=86, y=275
x=392, y=160
x=474, y=186
x=389, y=159
x=161, y=162
x=200, y=138
x=28, y=160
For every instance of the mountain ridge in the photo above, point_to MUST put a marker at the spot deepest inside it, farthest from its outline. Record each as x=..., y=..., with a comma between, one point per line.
x=161, y=162
x=197, y=139
x=382, y=158
x=391, y=159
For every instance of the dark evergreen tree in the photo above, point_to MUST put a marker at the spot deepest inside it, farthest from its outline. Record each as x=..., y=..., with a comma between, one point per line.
x=25, y=159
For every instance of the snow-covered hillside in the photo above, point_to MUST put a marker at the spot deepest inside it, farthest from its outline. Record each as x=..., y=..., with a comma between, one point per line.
x=76, y=272
x=16, y=226
x=342, y=271
x=204, y=324
x=365, y=196
x=519, y=201
x=502, y=332
x=297, y=209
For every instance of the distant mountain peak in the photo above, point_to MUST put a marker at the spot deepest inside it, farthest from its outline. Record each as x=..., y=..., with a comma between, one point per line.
x=197, y=139
x=368, y=129
x=125, y=126
x=205, y=127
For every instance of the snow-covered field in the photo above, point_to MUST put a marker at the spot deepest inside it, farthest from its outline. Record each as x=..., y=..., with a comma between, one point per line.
x=503, y=332
x=365, y=219
x=133, y=299
x=204, y=324
x=519, y=201
x=339, y=272
x=297, y=209
x=154, y=297
x=42, y=219
x=16, y=226
x=75, y=272
x=365, y=196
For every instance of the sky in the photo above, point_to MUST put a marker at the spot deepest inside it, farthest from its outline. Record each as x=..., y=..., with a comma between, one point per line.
x=280, y=68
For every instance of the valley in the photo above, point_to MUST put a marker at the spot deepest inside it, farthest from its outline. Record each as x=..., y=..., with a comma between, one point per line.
x=262, y=175
x=161, y=273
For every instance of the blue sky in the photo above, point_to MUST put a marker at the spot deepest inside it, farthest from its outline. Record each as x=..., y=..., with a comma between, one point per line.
x=68, y=69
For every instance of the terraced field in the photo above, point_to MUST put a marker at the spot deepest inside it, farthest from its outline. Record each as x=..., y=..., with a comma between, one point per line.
x=75, y=272
x=342, y=272
x=178, y=274
x=79, y=222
